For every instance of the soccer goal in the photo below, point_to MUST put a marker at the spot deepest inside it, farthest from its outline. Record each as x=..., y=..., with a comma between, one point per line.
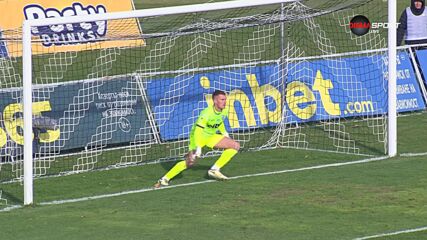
x=118, y=89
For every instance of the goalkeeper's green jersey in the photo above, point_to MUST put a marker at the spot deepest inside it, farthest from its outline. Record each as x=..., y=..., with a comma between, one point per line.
x=209, y=123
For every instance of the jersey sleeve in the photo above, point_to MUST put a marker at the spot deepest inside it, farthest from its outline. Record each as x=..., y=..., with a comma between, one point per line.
x=202, y=120
x=198, y=135
x=401, y=29
x=200, y=125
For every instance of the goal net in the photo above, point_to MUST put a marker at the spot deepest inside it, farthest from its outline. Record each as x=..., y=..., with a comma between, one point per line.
x=112, y=93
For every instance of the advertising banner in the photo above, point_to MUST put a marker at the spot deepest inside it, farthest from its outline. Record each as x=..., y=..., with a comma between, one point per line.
x=65, y=37
x=422, y=59
x=3, y=48
x=409, y=94
x=98, y=114
x=315, y=91
x=90, y=114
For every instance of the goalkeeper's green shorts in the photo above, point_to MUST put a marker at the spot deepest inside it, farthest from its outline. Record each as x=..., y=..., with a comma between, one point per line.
x=207, y=140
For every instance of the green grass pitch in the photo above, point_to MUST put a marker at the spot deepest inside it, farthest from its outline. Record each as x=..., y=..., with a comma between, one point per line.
x=329, y=202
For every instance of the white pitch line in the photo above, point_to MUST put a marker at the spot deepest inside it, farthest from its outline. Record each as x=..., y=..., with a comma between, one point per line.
x=413, y=154
x=10, y=208
x=393, y=233
x=313, y=167
x=57, y=202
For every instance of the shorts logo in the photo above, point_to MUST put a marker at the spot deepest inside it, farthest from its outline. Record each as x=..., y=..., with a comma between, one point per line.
x=66, y=34
x=360, y=25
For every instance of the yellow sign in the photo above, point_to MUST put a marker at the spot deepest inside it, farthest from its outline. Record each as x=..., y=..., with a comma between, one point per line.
x=66, y=37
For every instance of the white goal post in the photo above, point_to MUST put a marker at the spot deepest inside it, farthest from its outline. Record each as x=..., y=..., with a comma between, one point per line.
x=27, y=59
x=392, y=80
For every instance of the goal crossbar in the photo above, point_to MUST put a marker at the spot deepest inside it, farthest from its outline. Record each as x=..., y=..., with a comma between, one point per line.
x=155, y=12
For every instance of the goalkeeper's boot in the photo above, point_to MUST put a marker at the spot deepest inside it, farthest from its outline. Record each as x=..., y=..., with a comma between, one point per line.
x=163, y=182
x=216, y=174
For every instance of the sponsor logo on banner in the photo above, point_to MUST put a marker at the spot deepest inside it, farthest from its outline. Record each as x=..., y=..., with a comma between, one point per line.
x=314, y=93
x=66, y=37
x=64, y=34
x=114, y=107
x=409, y=95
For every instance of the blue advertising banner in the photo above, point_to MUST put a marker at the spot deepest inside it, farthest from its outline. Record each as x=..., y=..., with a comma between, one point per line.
x=422, y=59
x=90, y=114
x=316, y=90
x=96, y=114
x=3, y=47
x=409, y=95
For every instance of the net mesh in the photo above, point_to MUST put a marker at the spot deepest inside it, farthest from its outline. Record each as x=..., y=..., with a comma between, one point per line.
x=123, y=92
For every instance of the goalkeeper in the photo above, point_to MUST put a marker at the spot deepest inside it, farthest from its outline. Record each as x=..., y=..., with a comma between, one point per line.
x=205, y=132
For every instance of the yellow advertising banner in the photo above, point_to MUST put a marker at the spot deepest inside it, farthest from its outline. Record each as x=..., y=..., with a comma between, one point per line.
x=66, y=37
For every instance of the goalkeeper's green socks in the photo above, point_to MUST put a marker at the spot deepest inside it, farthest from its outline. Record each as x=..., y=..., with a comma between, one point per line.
x=221, y=162
x=224, y=158
x=179, y=167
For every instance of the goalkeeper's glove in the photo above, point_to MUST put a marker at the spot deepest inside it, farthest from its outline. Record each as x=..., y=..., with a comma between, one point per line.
x=198, y=152
x=225, y=134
